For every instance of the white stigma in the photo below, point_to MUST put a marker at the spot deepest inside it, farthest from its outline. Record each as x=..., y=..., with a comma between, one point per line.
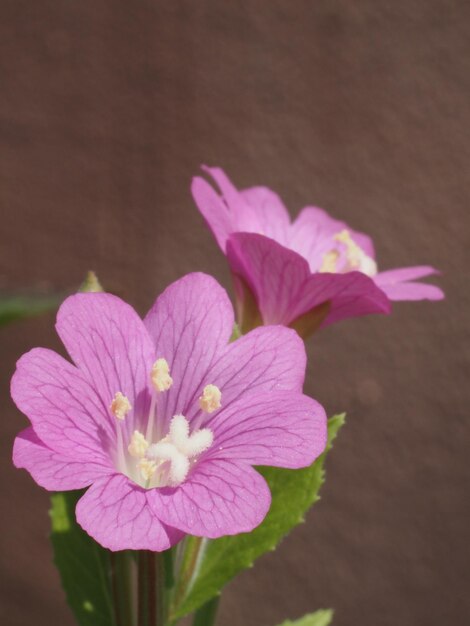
x=138, y=445
x=160, y=375
x=210, y=399
x=179, y=447
x=120, y=406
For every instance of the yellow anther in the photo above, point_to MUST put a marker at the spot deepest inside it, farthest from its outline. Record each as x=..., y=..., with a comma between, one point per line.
x=344, y=236
x=147, y=468
x=355, y=255
x=120, y=406
x=210, y=399
x=138, y=445
x=329, y=262
x=160, y=375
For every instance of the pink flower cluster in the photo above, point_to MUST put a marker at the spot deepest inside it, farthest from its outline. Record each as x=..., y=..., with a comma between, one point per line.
x=163, y=419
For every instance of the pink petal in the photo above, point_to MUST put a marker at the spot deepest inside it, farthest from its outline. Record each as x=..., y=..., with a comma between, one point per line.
x=272, y=217
x=116, y=513
x=234, y=200
x=279, y=428
x=52, y=470
x=219, y=498
x=285, y=289
x=274, y=274
x=254, y=210
x=67, y=414
x=351, y=295
x=412, y=291
x=109, y=343
x=399, y=275
x=213, y=209
x=269, y=357
x=394, y=283
x=190, y=323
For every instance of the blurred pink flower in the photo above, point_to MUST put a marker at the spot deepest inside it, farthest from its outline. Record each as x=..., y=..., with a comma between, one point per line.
x=163, y=418
x=306, y=274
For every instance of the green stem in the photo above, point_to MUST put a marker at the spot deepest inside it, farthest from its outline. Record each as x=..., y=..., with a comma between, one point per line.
x=142, y=589
x=205, y=616
x=154, y=571
x=193, y=549
x=121, y=563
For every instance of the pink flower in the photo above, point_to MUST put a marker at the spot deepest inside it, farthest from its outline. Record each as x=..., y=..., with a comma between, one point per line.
x=309, y=273
x=163, y=419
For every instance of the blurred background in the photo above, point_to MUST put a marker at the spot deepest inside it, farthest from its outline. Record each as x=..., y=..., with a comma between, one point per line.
x=107, y=109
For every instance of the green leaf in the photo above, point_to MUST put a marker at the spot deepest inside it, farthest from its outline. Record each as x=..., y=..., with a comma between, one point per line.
x=15, y=307
x=319, y=618
x=293, y=493
x=84, y=566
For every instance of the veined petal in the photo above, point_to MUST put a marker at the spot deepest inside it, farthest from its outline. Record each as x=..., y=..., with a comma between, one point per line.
x=52, y=470
x=285, y=289
x=267, y=358
x=190, y=324
x=273, y=273
x=116, y=513
x=351, y=295
x=219, y=498
x=109, y=343
x=279, y=428
x=65, y=410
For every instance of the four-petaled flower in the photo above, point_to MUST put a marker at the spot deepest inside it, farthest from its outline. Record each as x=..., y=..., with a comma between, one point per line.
x=163, y=418
x=309, y=273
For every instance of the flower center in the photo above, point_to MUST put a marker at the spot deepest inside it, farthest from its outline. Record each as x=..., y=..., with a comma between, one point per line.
x=347, y=256
x=167, y=461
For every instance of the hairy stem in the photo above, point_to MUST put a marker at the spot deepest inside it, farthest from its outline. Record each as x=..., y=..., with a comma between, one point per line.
x=192, y=551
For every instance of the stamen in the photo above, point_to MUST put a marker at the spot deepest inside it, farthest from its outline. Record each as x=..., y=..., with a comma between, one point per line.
x=160, y=375
x=120, y=406
x=138, y=445
x=147, y=468
x=357, y=258
x=210, y=399
x=329, y=262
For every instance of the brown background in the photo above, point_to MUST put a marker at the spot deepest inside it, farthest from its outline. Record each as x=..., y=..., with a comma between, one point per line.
x=106, y=111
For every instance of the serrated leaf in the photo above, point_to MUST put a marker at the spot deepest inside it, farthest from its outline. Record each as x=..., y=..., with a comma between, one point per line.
x=319, y=618
x=293, y=493
x=83, y=564
x=15, y=307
